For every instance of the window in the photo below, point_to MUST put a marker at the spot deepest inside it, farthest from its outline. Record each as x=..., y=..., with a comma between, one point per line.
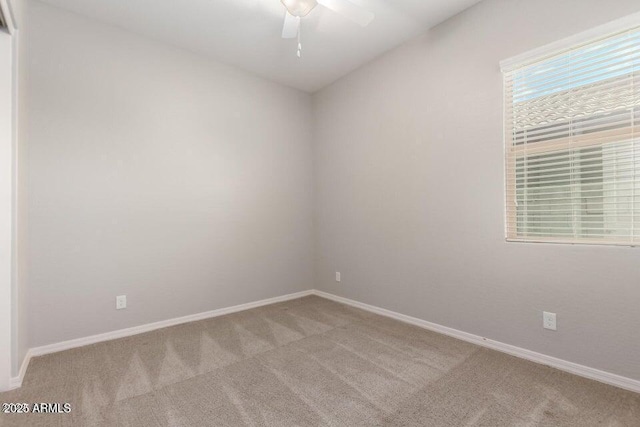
x=572, y=144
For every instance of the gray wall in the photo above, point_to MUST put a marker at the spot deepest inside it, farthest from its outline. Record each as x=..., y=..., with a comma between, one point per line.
x=409, y=163
x=183, y=183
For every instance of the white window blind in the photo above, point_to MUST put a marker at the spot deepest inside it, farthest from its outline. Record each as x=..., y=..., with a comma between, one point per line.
x=572, y=135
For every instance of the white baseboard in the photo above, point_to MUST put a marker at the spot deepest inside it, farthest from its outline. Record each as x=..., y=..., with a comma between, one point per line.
x=16, y=382
x=121, y=333
x=543, y=359
x=573, y=368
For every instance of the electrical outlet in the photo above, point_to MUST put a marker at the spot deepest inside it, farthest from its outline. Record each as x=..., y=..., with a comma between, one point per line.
x=338, y=278
x=549, y=321
x=121, y=302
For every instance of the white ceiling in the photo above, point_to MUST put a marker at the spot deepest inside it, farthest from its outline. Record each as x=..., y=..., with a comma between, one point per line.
x=246, y=33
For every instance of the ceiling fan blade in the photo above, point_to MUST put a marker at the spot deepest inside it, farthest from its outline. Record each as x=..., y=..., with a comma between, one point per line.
x=291, y=26
x=349, y=10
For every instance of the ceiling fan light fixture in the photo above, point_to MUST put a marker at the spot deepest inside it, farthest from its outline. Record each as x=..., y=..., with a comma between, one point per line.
x=299, y=8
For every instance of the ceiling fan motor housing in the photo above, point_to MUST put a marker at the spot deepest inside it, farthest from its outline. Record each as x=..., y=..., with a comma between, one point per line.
x=299, y=8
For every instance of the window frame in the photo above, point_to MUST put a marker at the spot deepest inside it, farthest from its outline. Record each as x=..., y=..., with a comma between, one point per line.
x=583, y=141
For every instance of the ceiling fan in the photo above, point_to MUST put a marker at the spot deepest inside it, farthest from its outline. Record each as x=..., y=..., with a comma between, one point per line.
x=297, y=9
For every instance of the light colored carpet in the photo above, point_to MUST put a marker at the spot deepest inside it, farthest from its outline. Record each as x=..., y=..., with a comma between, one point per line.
x=309, y=362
